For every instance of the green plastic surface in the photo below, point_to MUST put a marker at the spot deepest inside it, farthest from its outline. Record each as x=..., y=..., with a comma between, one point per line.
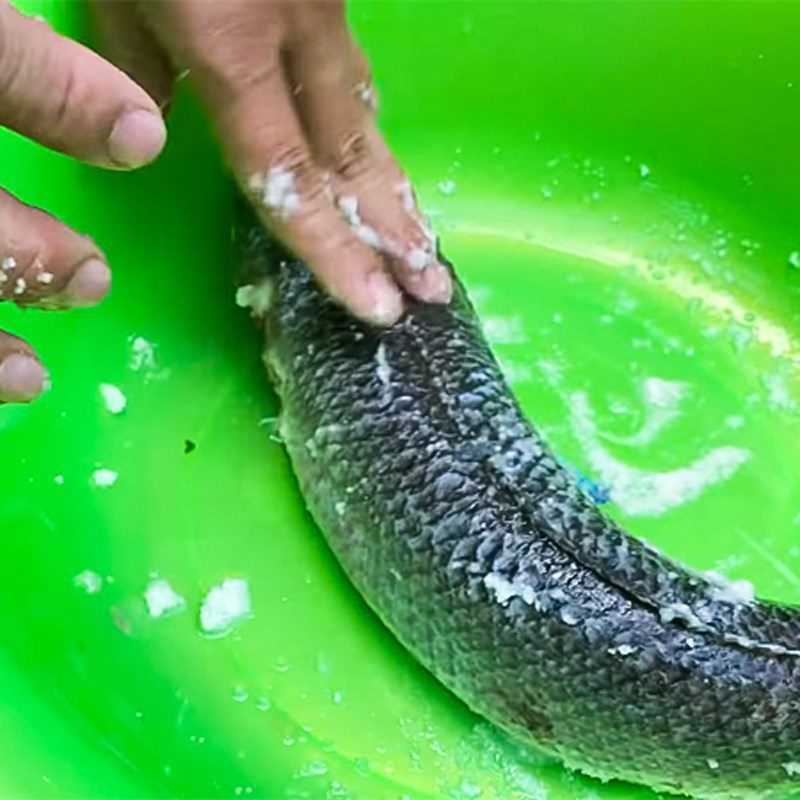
x=617, y=183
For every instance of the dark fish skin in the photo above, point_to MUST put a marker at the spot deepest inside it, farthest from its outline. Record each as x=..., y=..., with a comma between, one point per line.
x=477, y=549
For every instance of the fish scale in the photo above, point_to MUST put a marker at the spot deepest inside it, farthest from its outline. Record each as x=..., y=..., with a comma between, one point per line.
x=477, y=548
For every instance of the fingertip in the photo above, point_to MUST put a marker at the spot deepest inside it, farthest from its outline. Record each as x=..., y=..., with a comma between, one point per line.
x=138, y=136
x=383, y=304
x=432, y=284
x=22, y=378
x=435, y=286
x=89, y=284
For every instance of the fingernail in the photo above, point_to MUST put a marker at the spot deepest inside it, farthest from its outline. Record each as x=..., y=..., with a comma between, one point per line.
x=435, y=285
x=89, y=285
x=136, y=138
x=22, y=378
x=386, y=302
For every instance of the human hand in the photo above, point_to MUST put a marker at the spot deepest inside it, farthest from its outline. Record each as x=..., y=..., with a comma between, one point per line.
x=67, y=98
x=290, y=96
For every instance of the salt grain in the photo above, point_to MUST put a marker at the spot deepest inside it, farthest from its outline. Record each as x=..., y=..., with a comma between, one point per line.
x=225, y=606
x=103, y=478
x=115, y=401
x=161, y=599
x=89, y=581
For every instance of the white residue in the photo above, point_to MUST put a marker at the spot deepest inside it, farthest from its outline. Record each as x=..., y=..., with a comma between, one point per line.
x=662, y=402
x=277, y=191
x=383, y=370
x=723, y=590
x=103, y=478
x=161, y=599
x=20, y=286
x=348, y=205
x=429, y=234
x=366, y=94
x=89, y=581
x=225, y=606
x=255, y=296
x=9, y=263
x=681, y=612
x=504, y=589
x=778, y=394
x=45, y=277
x=644, y=171
x=639, y=492
x=552, y=370
x=115, y=401
x=794, y=259
x=446, y=187
x=143, y=358
x=406, y=194
x=792, y=768
x=59, y=480
x=712, y=763
x=504, y=330
x=622, y=650
x=514, y=371
x=419, y=258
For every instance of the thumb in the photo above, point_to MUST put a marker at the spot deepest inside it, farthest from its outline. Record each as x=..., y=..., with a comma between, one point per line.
x=68, y=98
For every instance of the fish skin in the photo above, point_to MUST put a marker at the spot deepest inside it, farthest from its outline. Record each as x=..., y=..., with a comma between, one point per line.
x=477, y=548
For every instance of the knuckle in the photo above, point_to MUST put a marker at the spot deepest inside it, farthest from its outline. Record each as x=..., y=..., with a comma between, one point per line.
x=232, y=49
x=295, y=158
x=12, y=63
x=67, y=99
x=354, y=159
x=295, y=161
x=237, y=71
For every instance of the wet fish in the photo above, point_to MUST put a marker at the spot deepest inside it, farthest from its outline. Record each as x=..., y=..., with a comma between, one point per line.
x=479, y=550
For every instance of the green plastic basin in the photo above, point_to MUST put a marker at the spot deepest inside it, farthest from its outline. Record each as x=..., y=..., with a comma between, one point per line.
x=618, y=185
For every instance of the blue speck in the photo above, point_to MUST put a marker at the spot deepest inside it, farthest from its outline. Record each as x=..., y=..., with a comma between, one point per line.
x=599, y=492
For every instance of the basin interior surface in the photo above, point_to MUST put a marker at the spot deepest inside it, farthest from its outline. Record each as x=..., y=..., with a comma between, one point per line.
x=617, y=184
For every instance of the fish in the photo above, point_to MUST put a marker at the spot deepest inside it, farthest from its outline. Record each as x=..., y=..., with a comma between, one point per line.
x=480, y=551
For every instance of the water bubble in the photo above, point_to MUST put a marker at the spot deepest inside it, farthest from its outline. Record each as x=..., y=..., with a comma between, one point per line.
x=264, y=703
x=240, y=694
x=322, y=664
x=362, y=767
x=313, y=768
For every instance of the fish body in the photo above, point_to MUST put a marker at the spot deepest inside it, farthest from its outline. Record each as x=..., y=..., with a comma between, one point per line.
x=478, y=549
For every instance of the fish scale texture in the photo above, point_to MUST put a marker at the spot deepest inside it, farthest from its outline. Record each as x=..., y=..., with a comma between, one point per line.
x=476, y=548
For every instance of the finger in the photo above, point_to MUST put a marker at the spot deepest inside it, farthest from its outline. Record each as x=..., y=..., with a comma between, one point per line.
x=233, y=53
x=335, y=102
x=44, y=263
x=60, y=93
x=22, y=376
x=123, y=37
x=293, y=196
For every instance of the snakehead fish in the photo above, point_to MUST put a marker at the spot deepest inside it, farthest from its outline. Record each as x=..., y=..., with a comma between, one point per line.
x=478, y=549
